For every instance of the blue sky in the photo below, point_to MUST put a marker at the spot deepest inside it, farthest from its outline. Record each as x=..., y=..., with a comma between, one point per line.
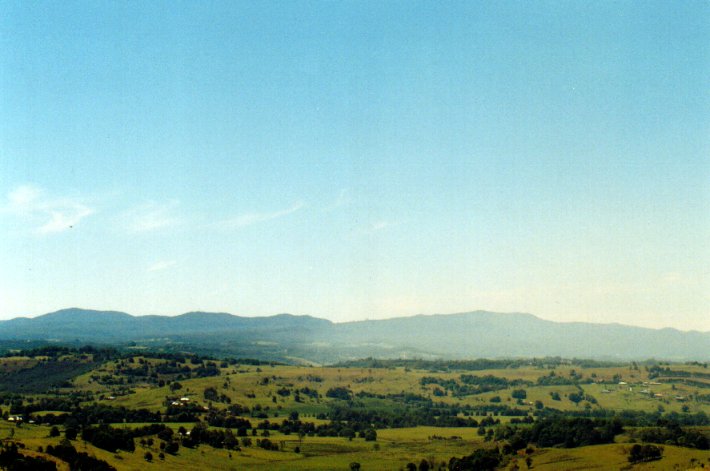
x=356, y=160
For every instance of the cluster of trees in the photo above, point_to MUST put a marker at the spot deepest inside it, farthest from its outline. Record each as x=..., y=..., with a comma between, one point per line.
x=479, y=460
x=12, y=460
x=403, y=397
x=346, y=429
x=553, y=379
x=55, y=352
x=476, y=365
x=560, y=431
x=398, y=416
x=21, y=405
x=339, y=392
x=109, y=438
x=641, y=453
x=674, y=434
x=228, y=418
x=211, y=394
x=113, y=439
x=45, y=376
x=424, y=465
x=574, y=432
x=550, y=432
x=632, y=418
x=56, y=366
x=96, y=413
x=216, y=438
x=492, y=382
x=132, y=370
x=185, y=412
x=469, y=385
x=497, y=409
x=410, y=410
x=580, y=396
x=657, y=371
x=77, y=460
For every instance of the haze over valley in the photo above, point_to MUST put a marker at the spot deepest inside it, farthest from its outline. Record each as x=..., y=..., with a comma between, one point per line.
x=306, y=339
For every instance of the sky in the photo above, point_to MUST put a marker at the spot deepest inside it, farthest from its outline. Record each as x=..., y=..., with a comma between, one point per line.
x=357, y=159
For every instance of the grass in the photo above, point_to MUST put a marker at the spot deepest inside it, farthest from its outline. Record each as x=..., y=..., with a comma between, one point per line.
x=253, y=386
x=392, y=451
x=613, y=456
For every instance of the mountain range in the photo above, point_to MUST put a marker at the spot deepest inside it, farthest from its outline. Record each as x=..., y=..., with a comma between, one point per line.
x=287, y=337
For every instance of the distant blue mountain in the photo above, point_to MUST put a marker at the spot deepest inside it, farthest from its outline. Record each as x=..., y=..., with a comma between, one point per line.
x=82, y=324
x=285, y=336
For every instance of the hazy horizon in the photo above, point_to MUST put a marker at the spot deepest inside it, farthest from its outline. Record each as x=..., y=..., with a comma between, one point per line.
x=364, y=319
x=357, y=160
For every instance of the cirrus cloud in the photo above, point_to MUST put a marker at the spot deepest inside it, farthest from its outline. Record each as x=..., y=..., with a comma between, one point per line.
x=48, y=213
x=161, y=265
x=151, y=216
x=249, y=219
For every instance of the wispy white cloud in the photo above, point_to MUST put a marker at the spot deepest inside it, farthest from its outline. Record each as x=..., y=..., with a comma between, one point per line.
x=161, y=265
x=64, y=219
x=24, y=199
x=343, y=199
x=249, y=219
x=50, y=213
x=151, y=216
x=378, y=226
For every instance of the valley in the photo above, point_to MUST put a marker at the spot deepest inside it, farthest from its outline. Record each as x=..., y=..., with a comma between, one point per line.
x=136, y=409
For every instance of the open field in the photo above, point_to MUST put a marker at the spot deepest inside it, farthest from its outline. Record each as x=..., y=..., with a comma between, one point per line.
x=240, y=384
x=287, y=417
x=396, y=448
x=614, y=457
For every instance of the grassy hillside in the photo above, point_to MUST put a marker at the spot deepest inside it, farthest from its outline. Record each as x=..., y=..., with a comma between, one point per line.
x=409, y=406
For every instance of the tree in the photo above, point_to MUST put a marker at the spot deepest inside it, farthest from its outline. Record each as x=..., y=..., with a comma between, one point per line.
x=339, y=392
x=576, y=397
x=172, y=447
x=54, y=432
x=640, y=453
x=211, y=394
x=480, y=460
x=230, y=441
x=354, y=466
x=148, y=456
x=370, y=435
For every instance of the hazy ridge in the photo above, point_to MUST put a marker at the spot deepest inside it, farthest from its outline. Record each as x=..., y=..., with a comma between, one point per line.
x=289, y=337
